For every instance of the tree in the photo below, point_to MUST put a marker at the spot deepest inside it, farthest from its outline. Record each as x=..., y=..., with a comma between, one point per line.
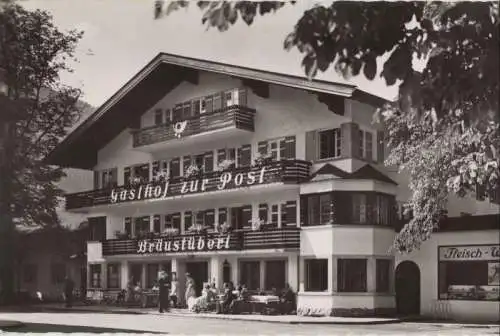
x=443, y=127
x=35, y=113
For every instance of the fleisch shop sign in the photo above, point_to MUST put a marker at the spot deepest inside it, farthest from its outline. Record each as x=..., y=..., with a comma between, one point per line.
x=184, y=244
x=226, y=180
x=469, y=252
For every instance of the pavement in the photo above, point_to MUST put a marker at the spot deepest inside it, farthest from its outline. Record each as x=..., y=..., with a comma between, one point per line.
x=287, y=319
x=175, y=324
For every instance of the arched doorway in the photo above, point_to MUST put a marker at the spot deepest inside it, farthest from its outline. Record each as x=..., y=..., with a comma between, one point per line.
x=407, y=283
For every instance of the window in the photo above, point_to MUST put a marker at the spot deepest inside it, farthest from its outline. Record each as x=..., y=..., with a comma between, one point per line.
x=152, y=274
x=158, y=117
x=263, y=212
x=351, y=275
x=97, y=228
x=172, y=221
x=469, y=273
x=316, y=275
x=366, y=145
x=136, y=273
x=384, y=271
x=241, y=217
x=289, y=214
x=273, y=215
x=275, y=275
x=244, y=155
x=30, y=272
x=250, y=274
x=381, y=210
x=113, y=276
x=329, y=144
x=319, y=209
x=231, y=97
x=358, y=208
x=205, y=218
x=95, y=276
x=106, y=178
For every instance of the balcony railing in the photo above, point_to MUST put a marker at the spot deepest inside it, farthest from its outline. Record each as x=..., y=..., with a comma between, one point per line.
x=285, y=171
x=236, y=116
x=288, y=237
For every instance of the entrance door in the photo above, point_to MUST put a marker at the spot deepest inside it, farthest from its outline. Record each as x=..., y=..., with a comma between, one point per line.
x=407, y=288
x=199, y=273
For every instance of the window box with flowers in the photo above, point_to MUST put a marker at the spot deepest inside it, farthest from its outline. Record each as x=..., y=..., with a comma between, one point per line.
x=262, y=225
x=135, y=180
x=121, y=235
x=161, y=176
x=170, y=231
x=225, y=165
x=263, y=159
x=222, y=228
x=192, y=171
x=197, y=229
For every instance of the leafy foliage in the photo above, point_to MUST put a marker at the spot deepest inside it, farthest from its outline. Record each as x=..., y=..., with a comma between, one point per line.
x=32, y=53
x=443, y=130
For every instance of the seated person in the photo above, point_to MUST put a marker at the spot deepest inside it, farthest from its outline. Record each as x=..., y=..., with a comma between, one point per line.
x=288, y=300
x=227, y=299
x=206, y=301
x=244, y=294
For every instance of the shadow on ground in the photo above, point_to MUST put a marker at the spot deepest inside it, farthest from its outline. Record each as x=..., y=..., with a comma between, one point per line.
x=53, y=328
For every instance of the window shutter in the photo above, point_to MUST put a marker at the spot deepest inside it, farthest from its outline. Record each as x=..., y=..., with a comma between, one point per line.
x=126, y=175
x=175, y=168
x=196, y=107
x=145, y=171
x=244, y=155
x=186, y=162
x=176, y=221
x=199, y=217
x=209, y=104
x=311, y=146
x=155, y=167
x=168, y=116
x=186, y=110
x=114, y=177
x=243, y=99
x=158, y=116
x=128, y=226
x=222, y=216
x=210, y=218
x=290, y=145
x=303, y=211
x=235, y=224
x=291, y=214
x=145, y=223
x=221, y=155
x=380, y=147
x=262, y=147
x=157, y=223
x=247, y=216
x=96, y=180
x=355, y=141
x=369, y=146
x=177, y=113
x=208, y=161
x=187, y=220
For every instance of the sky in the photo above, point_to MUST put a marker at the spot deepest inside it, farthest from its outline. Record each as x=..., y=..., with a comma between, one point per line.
x=121, y=37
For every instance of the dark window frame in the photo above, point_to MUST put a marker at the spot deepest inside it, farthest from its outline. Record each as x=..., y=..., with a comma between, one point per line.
x=349, y=272
x=315, y=282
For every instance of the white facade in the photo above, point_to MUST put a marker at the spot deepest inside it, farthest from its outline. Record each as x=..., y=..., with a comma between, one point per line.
x=287, y=112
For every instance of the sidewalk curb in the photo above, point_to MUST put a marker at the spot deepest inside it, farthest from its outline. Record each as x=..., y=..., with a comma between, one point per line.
x=222, y=317
x=8, y=324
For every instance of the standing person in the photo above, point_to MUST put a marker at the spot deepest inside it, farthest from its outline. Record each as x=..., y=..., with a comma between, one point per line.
x=68, y=291
x=190, y=288
x=174, y=285
x=164, y=286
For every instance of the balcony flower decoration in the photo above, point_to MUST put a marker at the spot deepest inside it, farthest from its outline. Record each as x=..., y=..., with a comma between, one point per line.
x=225, y=165
x=170, y=231
x=192, y=171
x=121, y=235
x=222, y=228
x=135, y=180
x=161, y=176
x=257, y=224
x=263, y=159
x=197, y=228
x=179, y=128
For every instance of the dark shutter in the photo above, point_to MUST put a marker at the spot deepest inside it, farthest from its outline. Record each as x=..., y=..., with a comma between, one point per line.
x=282, y=149
x=145, y=223
x=222, y=216
x=242, y=97
x=158, y=117
x=187, y=220
x=291, y=214
x=236, y=218
x=246, y=216
x=113, y=178
x=177, y=113
x=311, y=146
x=244, y=155
x=157, y=223
x=186, y=110
x=380, y=147
x=126, y=175
x=221, y=155
x=262, y=147
x=196, y=107
x=96, y=180
x=168, y=116
x=264, y=212
x=369, y=144
x=290, y=145
x=128, y=226
x=186, y=162
x=175, y=167
x=210, y=218
x=199, y=217
x=208, y=161
x=176, y=221
x=303, y=211
x=155, y=168
x=209, y=104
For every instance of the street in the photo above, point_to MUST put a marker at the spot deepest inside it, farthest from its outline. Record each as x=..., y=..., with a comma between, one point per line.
x=193, y=326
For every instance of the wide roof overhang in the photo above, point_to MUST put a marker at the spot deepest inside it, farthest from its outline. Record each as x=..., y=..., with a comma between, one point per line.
x=164, y=73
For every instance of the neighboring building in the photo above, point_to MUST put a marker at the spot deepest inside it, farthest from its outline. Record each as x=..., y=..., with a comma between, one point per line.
x=47, y=256
x=292, y=167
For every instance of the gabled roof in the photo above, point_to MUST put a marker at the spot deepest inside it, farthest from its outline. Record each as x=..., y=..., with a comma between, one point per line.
x=165, y=72
x=367, y=172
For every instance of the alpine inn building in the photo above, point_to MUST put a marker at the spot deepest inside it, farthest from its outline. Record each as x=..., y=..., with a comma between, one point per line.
x=236, y=174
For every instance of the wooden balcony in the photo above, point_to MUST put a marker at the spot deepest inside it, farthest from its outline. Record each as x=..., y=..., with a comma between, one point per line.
x=234, y=241
x=234, y=117
x=275, y=172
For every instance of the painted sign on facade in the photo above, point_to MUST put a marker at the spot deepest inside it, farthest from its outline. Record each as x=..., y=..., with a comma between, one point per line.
x=226, y=180
x=469, y=252
x=184, y=244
